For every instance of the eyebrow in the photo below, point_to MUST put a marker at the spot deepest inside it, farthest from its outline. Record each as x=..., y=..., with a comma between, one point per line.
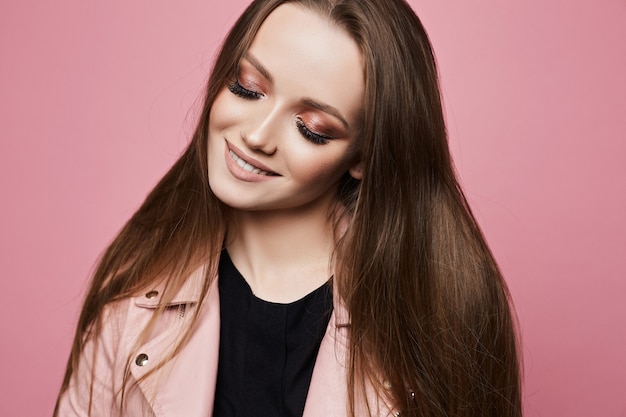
x=309, y=102
x=326, y=109
x=259, y=67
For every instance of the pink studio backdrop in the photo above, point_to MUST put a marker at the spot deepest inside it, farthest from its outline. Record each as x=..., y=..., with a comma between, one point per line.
x=98, y=98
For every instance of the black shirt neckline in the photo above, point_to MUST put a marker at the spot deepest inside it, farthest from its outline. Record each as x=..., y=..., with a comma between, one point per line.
x=267, y=349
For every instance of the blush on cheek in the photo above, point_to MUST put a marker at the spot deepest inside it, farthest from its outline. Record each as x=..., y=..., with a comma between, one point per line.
x=225, y=110
x=323, y=173
x=214, y=112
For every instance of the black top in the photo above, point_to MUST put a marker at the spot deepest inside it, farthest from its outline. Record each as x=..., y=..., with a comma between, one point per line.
x=267, y=350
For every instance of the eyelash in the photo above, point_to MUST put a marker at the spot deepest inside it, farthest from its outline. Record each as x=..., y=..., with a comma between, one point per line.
x=316, y=138
x=237, y=89
x=311, y=136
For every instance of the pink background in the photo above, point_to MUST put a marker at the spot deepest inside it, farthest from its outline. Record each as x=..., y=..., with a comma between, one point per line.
x=97, y=100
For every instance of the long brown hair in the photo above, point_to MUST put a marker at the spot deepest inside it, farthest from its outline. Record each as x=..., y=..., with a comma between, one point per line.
x=429, y=309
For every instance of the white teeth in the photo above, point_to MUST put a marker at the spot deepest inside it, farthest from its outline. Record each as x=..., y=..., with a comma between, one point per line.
x=246, y=166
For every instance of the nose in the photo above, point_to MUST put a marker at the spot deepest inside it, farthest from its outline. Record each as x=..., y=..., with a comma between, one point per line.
x=261, y=132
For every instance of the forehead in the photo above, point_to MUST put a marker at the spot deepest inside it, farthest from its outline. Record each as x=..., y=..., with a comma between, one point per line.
x=309, y=55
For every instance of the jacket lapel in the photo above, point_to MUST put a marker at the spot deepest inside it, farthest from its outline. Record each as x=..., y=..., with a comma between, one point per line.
x=328, y=392
x=327, y=396
x=185, y=386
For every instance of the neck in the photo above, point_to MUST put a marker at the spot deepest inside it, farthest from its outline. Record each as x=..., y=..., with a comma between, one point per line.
x=282, y=255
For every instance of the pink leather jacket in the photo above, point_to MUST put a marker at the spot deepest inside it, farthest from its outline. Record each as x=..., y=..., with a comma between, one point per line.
x=185, y=386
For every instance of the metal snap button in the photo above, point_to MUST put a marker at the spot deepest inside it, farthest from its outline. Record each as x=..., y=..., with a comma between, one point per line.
x=141, y=359
x=152, y=294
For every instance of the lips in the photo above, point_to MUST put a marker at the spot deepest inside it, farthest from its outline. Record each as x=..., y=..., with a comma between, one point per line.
x=246, y=163
x=246, y=166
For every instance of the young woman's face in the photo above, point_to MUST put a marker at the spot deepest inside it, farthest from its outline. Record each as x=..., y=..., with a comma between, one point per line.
x=282, y=133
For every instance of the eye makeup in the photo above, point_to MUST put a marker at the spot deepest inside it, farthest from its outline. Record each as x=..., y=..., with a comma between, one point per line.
x=307, y=123
x=311, y=136
x=237, y=89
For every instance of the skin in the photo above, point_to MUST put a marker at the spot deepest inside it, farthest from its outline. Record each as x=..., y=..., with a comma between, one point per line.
x=291, y=113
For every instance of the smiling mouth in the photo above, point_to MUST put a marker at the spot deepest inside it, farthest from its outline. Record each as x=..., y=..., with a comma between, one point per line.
x=249, y=167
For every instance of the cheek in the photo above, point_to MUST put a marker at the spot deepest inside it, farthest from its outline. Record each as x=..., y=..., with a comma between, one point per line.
x=227, y=111
x=322, y=167
x=219, y=115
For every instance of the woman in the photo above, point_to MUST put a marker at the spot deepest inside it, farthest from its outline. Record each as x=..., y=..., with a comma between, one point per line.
x=318, y=180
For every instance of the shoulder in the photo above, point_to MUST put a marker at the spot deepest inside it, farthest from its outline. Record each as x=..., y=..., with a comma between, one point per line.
x=132, y=338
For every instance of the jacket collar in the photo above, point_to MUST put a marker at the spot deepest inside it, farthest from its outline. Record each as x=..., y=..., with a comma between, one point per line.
x=189, y=292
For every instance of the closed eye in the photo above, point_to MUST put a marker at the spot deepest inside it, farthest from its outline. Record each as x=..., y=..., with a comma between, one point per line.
x=311, y=136
x=237, y=89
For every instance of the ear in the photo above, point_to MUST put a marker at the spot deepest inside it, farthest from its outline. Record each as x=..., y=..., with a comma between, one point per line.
x=356, y=171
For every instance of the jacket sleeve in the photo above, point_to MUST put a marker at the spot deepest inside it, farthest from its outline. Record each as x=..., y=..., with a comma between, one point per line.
x=95, y=385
